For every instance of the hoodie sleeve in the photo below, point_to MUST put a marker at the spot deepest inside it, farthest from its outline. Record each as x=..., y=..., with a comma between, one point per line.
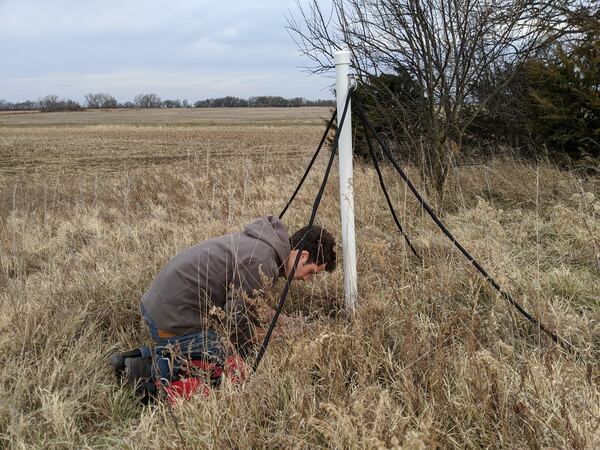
x=247, y=284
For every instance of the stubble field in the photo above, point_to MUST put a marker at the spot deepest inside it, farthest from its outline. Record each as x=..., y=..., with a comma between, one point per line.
x=93, y=204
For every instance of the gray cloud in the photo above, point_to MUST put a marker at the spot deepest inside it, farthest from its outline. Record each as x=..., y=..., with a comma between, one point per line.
x=186, y=49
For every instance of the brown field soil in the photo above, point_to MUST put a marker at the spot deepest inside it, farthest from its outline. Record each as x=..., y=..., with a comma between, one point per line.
x=93, y=204
x=181, y=117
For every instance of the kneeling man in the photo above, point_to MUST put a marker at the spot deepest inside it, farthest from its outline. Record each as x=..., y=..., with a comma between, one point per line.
x=218, y=278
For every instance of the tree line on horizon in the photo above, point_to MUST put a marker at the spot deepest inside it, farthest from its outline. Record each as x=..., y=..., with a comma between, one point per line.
x=102, y=100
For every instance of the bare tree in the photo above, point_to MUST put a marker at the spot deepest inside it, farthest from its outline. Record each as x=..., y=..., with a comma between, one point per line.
x=147, y=101
x=49, y=103
x=100, y=100
x=445, y=46
x=92, y=101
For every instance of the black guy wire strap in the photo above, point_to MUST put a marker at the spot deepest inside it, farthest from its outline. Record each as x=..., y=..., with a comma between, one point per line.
x=175, y=422
x=162, y=385
x=565, y=344
x=290, y=277
x=385, y=192
x=310, y=164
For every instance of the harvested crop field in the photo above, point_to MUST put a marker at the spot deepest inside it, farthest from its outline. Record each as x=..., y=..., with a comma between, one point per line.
x=119, y=141
x=93, y=204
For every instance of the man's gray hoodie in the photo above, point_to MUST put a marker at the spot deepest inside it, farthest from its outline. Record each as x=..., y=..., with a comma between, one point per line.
x=217, y=272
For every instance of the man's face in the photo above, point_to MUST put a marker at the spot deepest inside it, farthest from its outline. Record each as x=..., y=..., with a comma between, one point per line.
x=305, y=270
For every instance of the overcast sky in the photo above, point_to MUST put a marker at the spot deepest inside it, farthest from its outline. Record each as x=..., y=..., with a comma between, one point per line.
x=186, y=49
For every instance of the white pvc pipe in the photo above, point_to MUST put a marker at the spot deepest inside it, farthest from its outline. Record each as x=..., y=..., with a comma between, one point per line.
x=342, y=71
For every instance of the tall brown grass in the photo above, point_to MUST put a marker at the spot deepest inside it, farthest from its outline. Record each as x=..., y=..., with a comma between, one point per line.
x=433, y=358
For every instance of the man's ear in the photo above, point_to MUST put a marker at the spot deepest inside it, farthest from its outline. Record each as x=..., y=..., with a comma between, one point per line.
x=304, y=256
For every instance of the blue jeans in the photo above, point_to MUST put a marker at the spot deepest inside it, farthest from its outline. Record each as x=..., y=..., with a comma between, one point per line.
x=172, y=353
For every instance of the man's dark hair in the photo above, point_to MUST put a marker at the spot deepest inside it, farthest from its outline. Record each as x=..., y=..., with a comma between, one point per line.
x=319, y=244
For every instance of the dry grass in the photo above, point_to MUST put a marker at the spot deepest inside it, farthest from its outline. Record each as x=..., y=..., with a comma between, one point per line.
x=433, y=358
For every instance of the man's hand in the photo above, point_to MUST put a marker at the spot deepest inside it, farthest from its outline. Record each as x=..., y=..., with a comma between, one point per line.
x=259, y=335
x=286, y=327
x=266, y=314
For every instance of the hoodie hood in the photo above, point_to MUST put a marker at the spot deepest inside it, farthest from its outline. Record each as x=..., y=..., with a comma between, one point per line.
x=271, y=230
